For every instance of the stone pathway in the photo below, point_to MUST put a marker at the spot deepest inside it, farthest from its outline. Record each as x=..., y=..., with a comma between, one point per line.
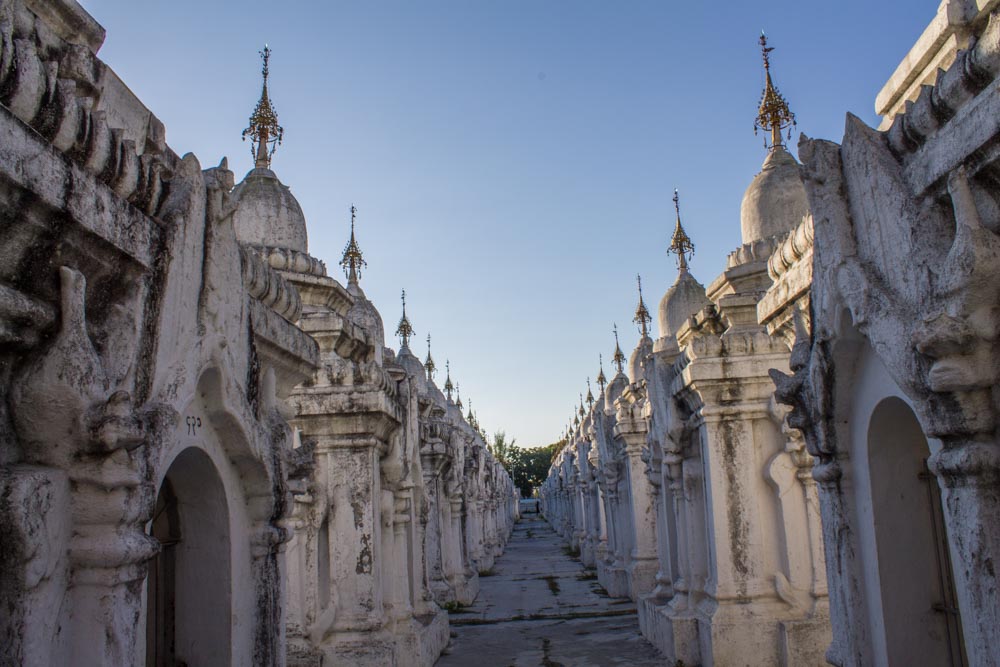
x=540, y=608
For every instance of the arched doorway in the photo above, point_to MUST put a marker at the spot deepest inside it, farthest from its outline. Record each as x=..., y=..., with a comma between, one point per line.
x=188, y=589
x=919, y=610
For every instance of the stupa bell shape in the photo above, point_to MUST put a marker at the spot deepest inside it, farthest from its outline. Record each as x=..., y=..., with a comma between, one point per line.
x=266, y=213
x=639, y=354
x=682, y=300
x=619, y=382
x=363, y=312
x=686, y=296
x=776, y=200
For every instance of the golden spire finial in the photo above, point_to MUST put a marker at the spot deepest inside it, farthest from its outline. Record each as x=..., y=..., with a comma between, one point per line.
x=429, y=364
x=601, y=380
x=264, y=129
x=458, y=397
x=773, y=115
x=448, y=386
x=582, y=411
x=405, y=329
x=471, y=418
x=642, y=316
x=619, y=358
x=680, y=244
x=352, y=260
x=590, y=394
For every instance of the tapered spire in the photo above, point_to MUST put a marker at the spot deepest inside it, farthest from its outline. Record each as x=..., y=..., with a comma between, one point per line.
x=773, y=115
x=619, y=357
x=590, y=394
x=448, y=386
x=680, y=243
x=429, y=364
x=582, y=410
x=601, y=379
x=642, y=316
x=353, y=260
x=458, y=398
x=405, y=329
x=264, y=131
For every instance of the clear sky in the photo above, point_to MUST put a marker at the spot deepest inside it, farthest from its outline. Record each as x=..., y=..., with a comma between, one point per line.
x=512, y=161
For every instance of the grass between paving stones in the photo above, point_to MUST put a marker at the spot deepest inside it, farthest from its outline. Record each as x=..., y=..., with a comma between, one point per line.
x=589, y=575
x=547, y=660
x=553, y=584
x=454, y=607
x=487, y=573
x=571, y=551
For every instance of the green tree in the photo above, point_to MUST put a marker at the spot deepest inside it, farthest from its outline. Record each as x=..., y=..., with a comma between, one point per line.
x=528, y=466
x=533, y=467
x=505, y=452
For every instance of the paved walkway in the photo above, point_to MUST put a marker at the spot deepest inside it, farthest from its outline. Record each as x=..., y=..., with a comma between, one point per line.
x=540, y=608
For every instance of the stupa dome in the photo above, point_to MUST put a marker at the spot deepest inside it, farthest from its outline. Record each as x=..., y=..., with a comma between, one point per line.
x=776, y=200
x=684, y=298
x=614, y=391
x=267, y=214
x=641, y=351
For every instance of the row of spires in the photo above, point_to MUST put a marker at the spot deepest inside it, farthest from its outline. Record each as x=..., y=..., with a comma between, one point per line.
x=405, y=331
x=773, y=116
x=773, y=113
x=683, y=247
x=352, y=261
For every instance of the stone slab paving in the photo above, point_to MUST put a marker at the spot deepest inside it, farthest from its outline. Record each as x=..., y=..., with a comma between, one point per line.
x=540, y=607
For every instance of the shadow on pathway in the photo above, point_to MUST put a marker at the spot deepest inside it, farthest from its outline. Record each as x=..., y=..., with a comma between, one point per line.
x=541, y=608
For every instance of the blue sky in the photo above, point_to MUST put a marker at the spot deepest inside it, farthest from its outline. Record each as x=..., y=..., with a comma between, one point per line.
x=512, y=162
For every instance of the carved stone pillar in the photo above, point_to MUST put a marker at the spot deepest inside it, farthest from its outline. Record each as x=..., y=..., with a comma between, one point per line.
x=465, y=594
x=433, y=553
x=969, y=474
x=601, y=553
x=352, y=469
x=402, y=586
x=643, y=562
x=663, y=506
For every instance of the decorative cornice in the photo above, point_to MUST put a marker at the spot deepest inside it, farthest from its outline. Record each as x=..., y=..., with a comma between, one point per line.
x=795, y=246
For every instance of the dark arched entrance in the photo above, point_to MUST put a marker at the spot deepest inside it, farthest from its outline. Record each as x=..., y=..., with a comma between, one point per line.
x=188, y=603
x=919, y=611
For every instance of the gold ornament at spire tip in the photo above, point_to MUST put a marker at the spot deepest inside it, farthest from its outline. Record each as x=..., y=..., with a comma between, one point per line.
x=448, y=386
x=353, y=260
x=590, y=394
x=264, y=129
x=642, y=316
x=773, y=114
x=405, y=329
x=680, y=244
x=429, y=364
x=601, y=379
x=619, y=358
